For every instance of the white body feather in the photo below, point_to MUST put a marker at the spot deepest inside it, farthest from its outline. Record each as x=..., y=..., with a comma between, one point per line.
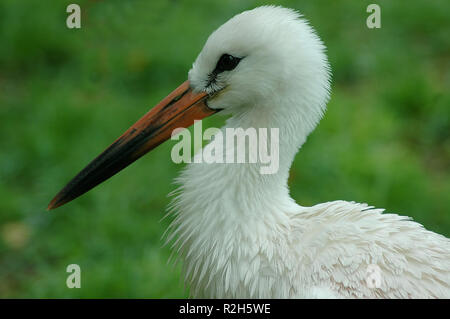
x=239, y=233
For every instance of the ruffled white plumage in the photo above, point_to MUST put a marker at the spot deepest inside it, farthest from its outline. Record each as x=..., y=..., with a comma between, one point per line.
x=240, y=235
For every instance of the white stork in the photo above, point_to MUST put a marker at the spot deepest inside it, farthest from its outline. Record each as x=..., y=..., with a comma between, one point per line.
x=238, y=232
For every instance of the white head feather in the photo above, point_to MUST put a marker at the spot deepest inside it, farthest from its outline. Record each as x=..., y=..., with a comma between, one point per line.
x=283, y=66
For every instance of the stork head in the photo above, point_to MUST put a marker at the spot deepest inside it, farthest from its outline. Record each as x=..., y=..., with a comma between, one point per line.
x=267, y=58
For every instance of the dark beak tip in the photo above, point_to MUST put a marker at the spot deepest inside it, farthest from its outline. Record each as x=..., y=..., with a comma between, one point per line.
x=55, y=203
x=51, y=206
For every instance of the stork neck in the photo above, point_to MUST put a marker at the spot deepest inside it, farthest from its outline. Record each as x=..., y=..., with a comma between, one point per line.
x=274, y=136
x=243, y=185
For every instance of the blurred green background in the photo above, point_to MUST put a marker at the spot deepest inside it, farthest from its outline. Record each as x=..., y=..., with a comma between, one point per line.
x=67, y=94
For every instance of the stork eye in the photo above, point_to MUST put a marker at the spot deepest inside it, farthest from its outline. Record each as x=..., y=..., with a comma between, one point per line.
x=226, y=63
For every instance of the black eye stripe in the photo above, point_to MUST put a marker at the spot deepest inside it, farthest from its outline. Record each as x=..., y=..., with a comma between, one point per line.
x=226, y=62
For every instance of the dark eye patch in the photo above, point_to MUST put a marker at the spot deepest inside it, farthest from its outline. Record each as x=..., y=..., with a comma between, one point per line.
x=226, y=62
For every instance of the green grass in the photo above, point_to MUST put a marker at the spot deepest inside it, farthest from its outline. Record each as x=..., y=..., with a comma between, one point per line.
x=67, y=94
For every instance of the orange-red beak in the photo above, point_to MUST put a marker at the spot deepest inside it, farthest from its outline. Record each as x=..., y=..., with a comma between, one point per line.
x=179, y=109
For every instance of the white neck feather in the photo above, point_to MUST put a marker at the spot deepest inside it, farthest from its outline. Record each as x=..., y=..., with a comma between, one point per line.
x=221, y=207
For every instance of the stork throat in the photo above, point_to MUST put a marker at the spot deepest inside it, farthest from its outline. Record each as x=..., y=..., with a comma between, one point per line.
x=228, y=146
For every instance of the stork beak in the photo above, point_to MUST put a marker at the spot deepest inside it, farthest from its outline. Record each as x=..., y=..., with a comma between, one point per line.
x=179, y=109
